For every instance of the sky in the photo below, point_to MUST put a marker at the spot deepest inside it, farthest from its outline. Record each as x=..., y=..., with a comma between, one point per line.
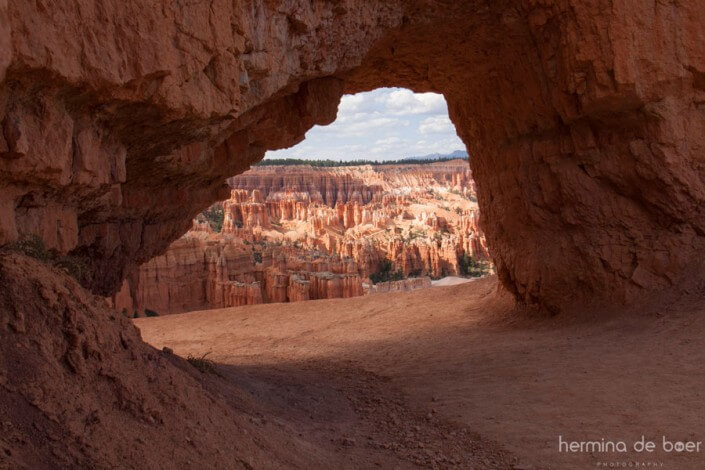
x=387, y=123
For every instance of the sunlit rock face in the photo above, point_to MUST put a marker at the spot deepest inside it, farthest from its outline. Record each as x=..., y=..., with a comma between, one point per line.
x=121, y=121
x=282, y=242
x=205, y=270
x=419, y=217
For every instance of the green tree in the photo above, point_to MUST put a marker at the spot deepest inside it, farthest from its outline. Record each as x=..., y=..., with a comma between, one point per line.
x=385, y=273
x=472, y=267
x=214, y=215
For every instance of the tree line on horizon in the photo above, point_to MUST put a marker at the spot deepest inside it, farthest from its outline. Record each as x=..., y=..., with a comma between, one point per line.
x=359, y=162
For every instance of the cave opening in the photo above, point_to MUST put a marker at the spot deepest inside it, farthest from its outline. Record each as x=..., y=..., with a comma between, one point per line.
x=381, y=199
x=128, y=156
x=380, y=125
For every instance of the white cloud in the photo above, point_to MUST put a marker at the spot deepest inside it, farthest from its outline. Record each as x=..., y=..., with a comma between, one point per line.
x=362, y=124
x=389, y=140
x=404, y=101
x=351, y=103
x=436, y=125
x=386, y=123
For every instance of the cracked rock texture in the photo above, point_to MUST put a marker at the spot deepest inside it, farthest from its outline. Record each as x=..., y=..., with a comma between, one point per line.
x=121, y=121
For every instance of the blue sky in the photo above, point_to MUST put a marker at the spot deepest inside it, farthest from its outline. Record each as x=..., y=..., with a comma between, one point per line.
x=387, y=123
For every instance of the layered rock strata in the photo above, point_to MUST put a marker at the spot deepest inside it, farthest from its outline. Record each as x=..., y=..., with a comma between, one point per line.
x=121, y=121
x=287, y=242
x=203, y=270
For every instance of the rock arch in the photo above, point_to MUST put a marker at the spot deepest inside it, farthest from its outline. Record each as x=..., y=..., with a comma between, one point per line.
x=121, y=120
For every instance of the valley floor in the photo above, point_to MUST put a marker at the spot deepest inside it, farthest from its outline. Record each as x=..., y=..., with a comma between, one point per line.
x=452, y=377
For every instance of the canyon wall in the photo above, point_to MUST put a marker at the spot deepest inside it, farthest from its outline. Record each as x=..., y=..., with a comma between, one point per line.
x=419, y=217
x=293, y=233
x=204, y=270
x=121, y=120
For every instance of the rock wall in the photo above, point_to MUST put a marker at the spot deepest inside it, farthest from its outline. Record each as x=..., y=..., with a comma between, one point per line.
x=121, y=120
x=203, y=270
x=308, y=249
x=420, y=217
x=341, y=185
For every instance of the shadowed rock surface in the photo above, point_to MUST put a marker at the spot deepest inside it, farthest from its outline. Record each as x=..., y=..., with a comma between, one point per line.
x=122, y=120
x=80, y=389
x=463, y=353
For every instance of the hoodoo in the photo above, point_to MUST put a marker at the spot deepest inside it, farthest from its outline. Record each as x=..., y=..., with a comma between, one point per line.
x=122, y=120
x=291, y=233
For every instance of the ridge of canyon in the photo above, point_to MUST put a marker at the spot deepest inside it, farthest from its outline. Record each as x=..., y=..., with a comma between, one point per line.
x=293, y=233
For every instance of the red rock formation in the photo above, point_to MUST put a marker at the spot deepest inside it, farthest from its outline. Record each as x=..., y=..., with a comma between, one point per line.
x=440, y=235
x=327, y=186
x=204, y=270
x=309, y=249
x=121, y=120
x=584, y=123
x=79, y=384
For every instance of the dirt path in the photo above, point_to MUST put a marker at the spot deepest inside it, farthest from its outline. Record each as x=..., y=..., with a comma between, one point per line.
x=451, y=358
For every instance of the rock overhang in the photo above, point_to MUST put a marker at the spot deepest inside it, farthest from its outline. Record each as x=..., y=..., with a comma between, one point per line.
x=121, y=121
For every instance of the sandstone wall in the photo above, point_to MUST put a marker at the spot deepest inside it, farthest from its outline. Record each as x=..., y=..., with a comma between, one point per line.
x=203, y=270
x=383, y=197
x=121, y=120
x=310, y=250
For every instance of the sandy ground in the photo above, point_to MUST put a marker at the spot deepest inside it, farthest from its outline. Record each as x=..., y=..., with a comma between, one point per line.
x=460, y=359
